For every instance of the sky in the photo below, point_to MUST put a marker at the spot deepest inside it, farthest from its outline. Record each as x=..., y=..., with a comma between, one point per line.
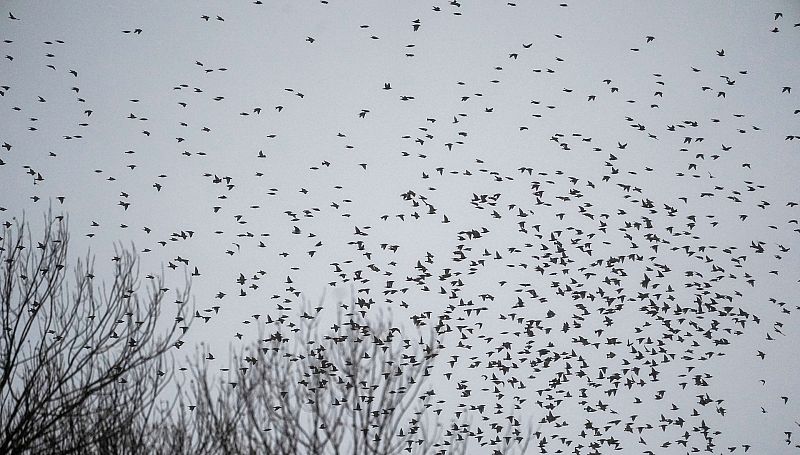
x=338, y=146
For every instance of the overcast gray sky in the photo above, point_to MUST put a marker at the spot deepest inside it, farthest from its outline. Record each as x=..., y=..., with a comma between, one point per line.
x=638, y=129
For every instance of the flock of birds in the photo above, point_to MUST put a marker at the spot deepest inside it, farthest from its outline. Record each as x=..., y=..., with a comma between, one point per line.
x=600, y=266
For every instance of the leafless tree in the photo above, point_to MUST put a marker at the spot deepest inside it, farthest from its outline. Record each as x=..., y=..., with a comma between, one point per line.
x=357, y=388
x=81, y=364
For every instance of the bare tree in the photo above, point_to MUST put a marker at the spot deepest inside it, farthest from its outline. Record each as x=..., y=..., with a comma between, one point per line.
x=357, y=388
x=81, y=364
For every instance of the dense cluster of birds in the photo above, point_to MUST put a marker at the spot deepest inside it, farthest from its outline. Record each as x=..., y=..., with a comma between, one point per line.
x=600, y=265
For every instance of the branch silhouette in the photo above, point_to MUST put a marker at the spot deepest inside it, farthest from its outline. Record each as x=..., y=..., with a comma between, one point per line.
x=81, y=363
